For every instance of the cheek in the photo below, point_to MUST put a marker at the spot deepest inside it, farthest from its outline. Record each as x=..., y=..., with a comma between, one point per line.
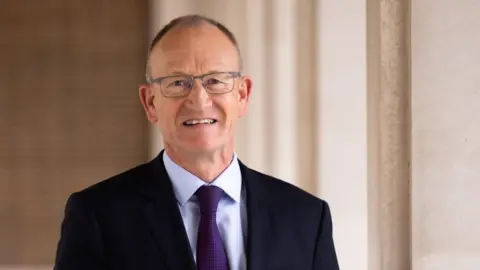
x=166, y=112
x=236, y=107
x=231, y=109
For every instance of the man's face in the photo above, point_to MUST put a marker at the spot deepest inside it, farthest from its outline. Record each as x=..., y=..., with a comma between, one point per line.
x=195, y=51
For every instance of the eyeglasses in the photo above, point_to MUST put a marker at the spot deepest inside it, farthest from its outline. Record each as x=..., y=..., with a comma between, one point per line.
x=180, y=86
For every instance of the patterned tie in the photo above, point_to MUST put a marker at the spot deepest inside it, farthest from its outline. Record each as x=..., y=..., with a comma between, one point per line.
x=210, y=252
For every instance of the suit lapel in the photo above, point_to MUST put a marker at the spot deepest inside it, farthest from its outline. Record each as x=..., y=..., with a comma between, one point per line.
x=167, y=228
x=260, y=220
x=163, y=217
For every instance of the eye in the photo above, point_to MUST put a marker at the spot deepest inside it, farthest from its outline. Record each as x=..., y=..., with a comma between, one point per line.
x=178, y=83
x=213, y=81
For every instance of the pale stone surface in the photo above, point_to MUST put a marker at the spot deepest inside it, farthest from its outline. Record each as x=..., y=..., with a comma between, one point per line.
x=342, y=125
x=446, y=134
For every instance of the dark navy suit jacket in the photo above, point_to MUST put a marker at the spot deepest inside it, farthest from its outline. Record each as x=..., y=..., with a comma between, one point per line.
x=132, y=221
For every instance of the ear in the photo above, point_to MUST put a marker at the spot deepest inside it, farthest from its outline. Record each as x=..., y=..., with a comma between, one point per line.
x=147, y=97
x=244, y=91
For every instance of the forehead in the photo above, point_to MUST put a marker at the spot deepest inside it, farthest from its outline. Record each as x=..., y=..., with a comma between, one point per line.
x=191, y=50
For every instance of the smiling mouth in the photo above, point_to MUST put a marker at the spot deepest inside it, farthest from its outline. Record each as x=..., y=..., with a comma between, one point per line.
x=194, y=122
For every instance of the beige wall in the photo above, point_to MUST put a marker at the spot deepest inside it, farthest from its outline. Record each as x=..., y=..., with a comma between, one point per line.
x=341, y=123
x=69, y=112
x=446, y=134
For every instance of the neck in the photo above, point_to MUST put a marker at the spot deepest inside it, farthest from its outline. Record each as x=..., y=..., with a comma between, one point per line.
x=206, y=166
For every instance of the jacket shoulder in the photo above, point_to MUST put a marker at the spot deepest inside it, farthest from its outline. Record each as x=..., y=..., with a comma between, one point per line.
x=284, y=193
x=114, y=186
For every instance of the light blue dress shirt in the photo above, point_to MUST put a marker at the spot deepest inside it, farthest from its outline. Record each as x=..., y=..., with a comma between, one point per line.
x=231, y=213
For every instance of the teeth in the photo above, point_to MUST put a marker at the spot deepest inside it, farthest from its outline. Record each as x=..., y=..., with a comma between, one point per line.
x=200, y=121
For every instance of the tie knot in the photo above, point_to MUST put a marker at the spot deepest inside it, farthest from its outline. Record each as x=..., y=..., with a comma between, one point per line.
x=208, y=198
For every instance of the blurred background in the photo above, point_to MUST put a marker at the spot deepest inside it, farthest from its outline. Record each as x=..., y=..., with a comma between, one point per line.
x=372, y=105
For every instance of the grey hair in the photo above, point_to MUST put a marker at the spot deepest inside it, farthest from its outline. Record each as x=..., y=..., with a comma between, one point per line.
x=189, y=21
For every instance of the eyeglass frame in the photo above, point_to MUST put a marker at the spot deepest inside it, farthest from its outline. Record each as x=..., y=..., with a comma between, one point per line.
x=158, y=80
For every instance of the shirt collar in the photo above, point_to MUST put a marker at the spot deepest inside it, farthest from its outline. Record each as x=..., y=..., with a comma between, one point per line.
x=185, y=184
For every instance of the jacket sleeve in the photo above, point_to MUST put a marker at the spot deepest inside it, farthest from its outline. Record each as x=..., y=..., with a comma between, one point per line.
x=80, y=245
x=325, y=254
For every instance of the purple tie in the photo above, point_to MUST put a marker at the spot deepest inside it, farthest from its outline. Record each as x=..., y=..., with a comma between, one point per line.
x=210, y=252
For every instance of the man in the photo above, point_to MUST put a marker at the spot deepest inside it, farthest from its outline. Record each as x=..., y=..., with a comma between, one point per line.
x=195, y=206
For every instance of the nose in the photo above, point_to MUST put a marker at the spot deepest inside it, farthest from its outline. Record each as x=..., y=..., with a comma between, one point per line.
x=198, y=97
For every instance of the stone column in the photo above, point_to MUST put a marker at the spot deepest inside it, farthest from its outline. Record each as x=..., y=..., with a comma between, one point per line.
x=255, y=64
x=389, y=134
x=282, y=80
x=306, y=92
